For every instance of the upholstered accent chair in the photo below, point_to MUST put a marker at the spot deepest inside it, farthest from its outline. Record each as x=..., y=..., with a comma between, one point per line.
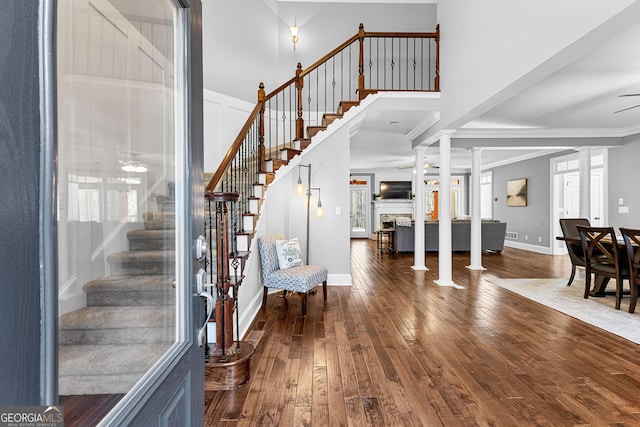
x=300, y=279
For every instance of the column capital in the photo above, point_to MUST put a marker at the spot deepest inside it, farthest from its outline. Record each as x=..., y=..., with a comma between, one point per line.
x=476, y=149
x=446, y=133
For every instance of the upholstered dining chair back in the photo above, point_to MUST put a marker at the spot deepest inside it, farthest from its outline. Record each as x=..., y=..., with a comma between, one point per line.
x=570, y=231
x=600, y=248
x=632, y=245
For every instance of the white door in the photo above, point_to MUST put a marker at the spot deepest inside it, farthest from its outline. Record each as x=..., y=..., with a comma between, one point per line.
x=566, y=192
x=360, y=210
x=571, y=199
x=131, y=207
x=597, y=197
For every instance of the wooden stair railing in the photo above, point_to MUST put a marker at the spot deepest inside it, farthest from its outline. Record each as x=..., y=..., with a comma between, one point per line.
x=366, y=63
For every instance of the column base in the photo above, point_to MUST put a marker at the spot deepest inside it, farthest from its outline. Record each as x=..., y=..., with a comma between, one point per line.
x=419, y=267
x=476, y=267
x=443, y=283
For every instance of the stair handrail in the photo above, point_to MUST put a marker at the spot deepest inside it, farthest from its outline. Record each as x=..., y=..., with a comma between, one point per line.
x=298, y=79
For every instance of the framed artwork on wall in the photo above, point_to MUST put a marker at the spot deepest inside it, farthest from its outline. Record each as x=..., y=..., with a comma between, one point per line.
x=517, y=192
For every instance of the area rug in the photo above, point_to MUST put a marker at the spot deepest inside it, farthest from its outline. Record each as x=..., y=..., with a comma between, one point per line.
x=599, y=312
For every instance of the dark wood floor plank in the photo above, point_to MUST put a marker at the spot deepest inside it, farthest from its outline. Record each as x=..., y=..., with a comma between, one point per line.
x=396, y=349
x=335, y=394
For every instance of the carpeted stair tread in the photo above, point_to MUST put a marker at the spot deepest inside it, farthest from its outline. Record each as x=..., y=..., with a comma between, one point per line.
x=130, y=290
x=117, y=317
x=130, y=283
x=152, y=262
x=118, y=325
x=159, y=220
x=105, y=369
x=151, y=239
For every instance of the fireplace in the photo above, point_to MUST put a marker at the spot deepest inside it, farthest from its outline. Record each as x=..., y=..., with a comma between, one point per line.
x=385, y=211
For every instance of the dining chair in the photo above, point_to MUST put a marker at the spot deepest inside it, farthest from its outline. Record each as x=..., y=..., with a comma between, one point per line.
x=574, y=248
x=601, y=258
x=632, y=244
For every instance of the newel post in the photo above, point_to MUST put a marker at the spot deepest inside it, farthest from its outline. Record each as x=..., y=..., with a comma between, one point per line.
x=436, y=83
x=261, y=152
x=299, y=119
x=361, y=61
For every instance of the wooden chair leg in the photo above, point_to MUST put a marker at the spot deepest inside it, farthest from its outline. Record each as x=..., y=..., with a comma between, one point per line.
x=324, y=290
x=587, y=283
x=303, y=299
x=573, y=274
x=633, y=297
x=618, y=292
x=264, y=297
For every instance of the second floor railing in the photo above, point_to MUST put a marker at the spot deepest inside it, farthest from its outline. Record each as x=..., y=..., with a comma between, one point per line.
x=366, y=63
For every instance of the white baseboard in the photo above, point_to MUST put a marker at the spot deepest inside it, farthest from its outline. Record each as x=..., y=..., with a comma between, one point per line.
x=339, y=280
x=528, y=247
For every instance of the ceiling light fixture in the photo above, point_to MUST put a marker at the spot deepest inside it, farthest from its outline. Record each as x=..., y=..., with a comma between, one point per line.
x=133, y=166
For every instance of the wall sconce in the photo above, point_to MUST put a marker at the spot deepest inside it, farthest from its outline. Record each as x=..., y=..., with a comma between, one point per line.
x=294, y=34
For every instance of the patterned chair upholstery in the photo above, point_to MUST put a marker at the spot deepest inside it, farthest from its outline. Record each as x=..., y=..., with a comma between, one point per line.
x=296, y=279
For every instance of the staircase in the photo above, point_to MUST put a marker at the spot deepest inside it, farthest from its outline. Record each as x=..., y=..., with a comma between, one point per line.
x=280, y=156
x=129, y=320
x=274, y=133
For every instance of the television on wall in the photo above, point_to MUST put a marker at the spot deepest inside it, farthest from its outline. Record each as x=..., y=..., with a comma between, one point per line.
x=395, y=190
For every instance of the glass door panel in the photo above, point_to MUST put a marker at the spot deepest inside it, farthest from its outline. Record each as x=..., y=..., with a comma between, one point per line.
x=120, y=118
x=360, y=211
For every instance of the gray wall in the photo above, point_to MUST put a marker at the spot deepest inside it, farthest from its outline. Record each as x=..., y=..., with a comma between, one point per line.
x=531, y=220
x=623, y=162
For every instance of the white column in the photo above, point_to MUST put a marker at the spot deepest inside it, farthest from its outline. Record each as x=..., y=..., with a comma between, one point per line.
x=476, y=224
x=445, y=264
x=418, y=213
x=585, y=183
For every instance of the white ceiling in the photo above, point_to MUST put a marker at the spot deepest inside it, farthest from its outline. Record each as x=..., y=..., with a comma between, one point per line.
x=578, y=101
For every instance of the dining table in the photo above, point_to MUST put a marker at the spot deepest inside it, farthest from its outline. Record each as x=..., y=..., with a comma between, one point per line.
x=600, y=282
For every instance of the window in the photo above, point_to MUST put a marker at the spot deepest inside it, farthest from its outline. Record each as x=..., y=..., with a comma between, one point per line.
x=432, y=187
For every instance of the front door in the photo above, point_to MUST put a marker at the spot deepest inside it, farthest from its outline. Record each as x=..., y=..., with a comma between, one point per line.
x=130, y=148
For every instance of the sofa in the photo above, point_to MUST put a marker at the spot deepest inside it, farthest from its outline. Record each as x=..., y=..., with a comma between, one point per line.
x=493, y=233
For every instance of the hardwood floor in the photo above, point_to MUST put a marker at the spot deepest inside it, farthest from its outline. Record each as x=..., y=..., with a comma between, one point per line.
x=395, y=349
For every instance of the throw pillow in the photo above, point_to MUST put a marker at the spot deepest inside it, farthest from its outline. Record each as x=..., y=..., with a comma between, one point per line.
x=289, y=253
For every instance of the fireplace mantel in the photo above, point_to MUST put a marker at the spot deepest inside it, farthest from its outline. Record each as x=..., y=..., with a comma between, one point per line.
x=391, y=206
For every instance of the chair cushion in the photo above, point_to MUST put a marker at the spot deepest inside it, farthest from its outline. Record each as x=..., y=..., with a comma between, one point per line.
x=289, y=253
x=297, y=279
